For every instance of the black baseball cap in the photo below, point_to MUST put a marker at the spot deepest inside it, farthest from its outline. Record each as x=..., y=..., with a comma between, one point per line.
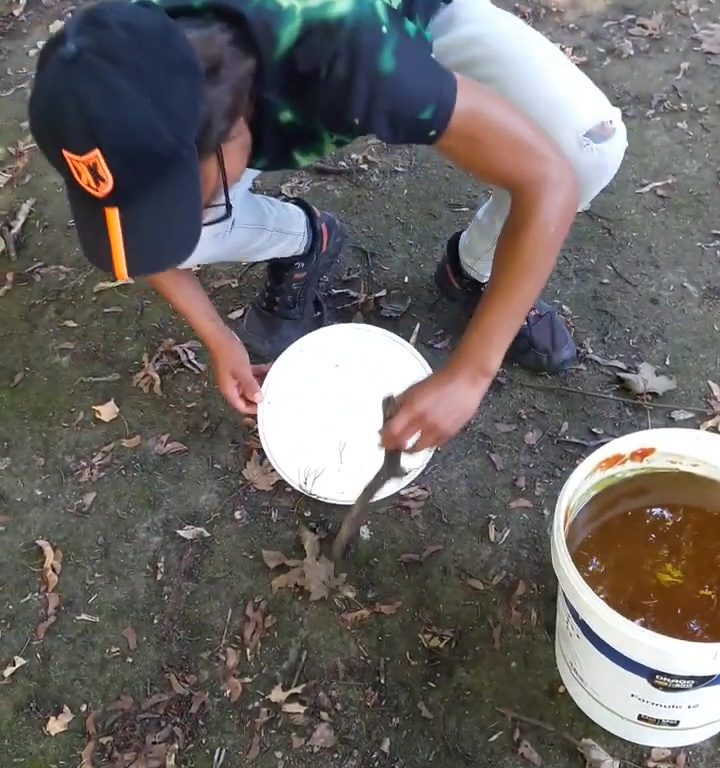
x=115, y=107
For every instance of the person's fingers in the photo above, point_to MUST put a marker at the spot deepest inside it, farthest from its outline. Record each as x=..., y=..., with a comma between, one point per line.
x=229, y=389
x=430, y=438
x=248, y=385
x=396, y=434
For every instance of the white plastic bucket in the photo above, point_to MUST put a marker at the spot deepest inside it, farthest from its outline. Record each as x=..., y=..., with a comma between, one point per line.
x=637, y=684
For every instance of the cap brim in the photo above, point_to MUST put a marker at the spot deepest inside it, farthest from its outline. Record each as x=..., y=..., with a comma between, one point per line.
x=159, y=229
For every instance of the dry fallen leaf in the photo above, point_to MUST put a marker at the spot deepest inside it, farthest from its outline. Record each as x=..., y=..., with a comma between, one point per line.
x=86, y=756
x=87, y=617
x=319, y=577
x=606, y=363
x=236, y=314
x=52, y=603
x=521, y=504
x=254, y=626
x=164, y=446
x=389, y=609
x=192, y=532
x=713, y=423
x=131, y=637
x=652, y=27
x=293, y=578
x=316, y=573
x=123, y=704
x=475, y=584
x=58, y=724
x=259, y=473
x=424, y=711
x=497, y=461
x=108, y=284
x=147, y=378
x=595, y=756
x=323, y=737
x=107, y=411
x=647, y=381
x=432, y=549
x=274, y=559
x=660, y=758
x=232, y=658
x=681, y=415
x=532, y=437
x=254, y=749
x=710, y=39
x=355, y=617
x=233, y=688
x=8, y=279
x=279, y=696
x=13, y=666
x=87, y=501
x=52, y=565
x=655, y=186
x=413, y=498
x=131, y=442
x=527, y=752
x=17, y=378
x=436, y=639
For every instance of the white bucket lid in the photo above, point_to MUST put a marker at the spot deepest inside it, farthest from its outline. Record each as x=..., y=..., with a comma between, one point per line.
x=322, y=410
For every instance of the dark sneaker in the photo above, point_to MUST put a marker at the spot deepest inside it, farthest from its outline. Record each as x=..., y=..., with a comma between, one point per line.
x=543, y=344
x=289, y=305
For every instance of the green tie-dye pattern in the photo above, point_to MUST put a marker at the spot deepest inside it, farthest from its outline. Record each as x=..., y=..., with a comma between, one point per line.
x=304, y=138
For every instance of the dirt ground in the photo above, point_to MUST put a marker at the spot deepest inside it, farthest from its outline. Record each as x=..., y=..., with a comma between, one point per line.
x=638, y=278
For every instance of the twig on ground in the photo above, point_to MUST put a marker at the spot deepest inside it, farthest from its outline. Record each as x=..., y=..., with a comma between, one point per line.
x=332, y=170
x=298, y=671
x=614, y=398
x=585, y=443
x=512, y=715
x=540, y=439
x=246, y=268
x=623, y=276
x=11, y=229
x=227, y=625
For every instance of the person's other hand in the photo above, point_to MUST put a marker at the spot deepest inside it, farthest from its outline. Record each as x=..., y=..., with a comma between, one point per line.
x=436, y=409
x=236, y=378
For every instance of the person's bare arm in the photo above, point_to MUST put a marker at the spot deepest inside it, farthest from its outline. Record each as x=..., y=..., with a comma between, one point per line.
x=499, y=146
x=182, y=290
x=236, y=378
x=494, y=142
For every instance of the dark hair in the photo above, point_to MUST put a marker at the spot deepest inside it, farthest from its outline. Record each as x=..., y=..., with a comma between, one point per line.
x=229, y=67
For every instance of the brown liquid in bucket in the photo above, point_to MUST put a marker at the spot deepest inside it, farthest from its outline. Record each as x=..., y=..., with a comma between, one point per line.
x=649, y=546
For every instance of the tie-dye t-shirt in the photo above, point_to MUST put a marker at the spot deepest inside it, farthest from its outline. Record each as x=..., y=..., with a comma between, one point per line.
x=334, y=70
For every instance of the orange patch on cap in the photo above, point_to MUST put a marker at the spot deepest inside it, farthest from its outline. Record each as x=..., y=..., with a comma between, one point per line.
x=91, y=172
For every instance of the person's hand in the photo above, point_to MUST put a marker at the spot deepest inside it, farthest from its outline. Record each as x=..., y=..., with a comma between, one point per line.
x=436, y=408
x=236, y=378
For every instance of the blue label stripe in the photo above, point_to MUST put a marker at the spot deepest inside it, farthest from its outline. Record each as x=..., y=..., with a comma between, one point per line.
x=629, y=665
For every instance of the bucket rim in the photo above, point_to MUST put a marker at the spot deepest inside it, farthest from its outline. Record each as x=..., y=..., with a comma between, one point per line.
x=561, y=554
